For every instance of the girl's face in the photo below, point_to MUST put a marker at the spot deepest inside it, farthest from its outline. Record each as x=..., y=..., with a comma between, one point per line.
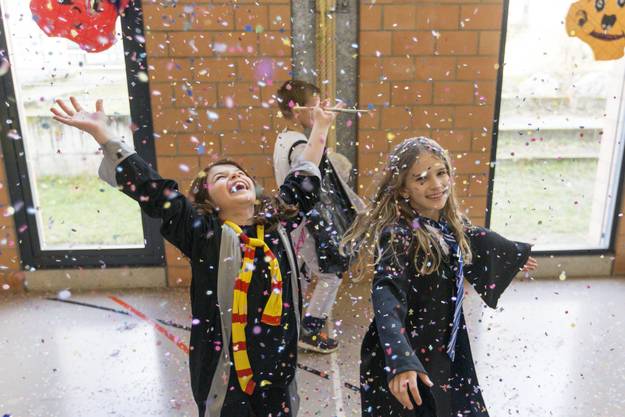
x=427, y=185
x=229, y=187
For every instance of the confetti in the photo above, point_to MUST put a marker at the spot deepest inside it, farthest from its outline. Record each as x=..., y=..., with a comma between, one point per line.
x=64, y=294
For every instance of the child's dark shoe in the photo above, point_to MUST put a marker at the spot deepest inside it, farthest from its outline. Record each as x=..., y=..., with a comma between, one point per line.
x=317, y=342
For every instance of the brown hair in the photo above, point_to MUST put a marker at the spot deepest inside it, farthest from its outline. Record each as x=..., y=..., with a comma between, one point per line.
x=294, y=92
x=268, y=210
x=389, y=207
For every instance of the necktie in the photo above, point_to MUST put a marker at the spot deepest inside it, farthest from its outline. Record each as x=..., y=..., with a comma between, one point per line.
x=454, y=249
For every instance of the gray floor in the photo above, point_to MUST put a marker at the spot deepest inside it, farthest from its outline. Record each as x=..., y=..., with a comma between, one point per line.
x=553, y=349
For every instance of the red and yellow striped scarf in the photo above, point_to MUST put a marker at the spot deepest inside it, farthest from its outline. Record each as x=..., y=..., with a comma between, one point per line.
x=273, y=309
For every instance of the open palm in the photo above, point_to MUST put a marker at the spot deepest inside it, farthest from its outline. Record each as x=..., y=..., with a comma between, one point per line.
x=93, y=123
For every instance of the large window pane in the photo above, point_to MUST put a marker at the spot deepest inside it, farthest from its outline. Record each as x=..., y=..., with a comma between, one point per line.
x=74, y=210
x=559, y=145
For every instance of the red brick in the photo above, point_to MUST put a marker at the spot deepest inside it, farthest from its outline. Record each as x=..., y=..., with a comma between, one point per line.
x=170, y=69
x=243, y=94
x=398, y=68
x=178, y=276
x=438, y=17
x=370, y=68
x=435, y=68
x=219, y=119
x=370, y=17
x=178, y=167
x=214, y=69
x=411, y=93
x=476, y=206
x=457, y=43
x=369, y=121
x=175, y=120
x=454, y=140
x=431, y=117
x=251, y=16
x=396, y=118
x=156, y=44
x=400, y=17
x=213, y=17
x=453, y=93
x=195, y=95
x=190, y=44
x=375, y=43
x=374, y=92
x=265, y=69
x=414, y=43
x=474, y=116
x=244, y=144
x=280, y=17
x=478, y=68
x=257, y=119
x=485, y=92
x=257, y=165
x=174, y=257
x=235, y=44
x=489, y=42
x=165, y=145
x=481, y=16
x=275, y=44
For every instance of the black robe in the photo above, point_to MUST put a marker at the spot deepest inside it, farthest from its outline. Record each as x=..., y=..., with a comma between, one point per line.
x=273, y=350
x=412, y=324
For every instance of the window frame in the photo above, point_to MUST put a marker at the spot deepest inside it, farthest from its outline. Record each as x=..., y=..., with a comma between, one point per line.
x=611, y=249
x=18, y=180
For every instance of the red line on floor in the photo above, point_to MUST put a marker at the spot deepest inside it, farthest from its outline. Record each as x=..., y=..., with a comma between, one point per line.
x=175, y=339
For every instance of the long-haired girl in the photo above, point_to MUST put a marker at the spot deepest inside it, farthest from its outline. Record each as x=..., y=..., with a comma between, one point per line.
x=415, y=358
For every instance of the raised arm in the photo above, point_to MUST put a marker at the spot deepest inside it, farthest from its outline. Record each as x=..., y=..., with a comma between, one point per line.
x=124, y=169
x=301, y=185
x=316, y=144
x=496, y=261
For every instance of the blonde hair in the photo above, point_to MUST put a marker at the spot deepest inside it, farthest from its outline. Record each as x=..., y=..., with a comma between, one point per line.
x=389, y=208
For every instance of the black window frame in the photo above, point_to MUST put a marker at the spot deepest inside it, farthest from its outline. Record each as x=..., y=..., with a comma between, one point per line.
x=611, y=249
x=18, y=183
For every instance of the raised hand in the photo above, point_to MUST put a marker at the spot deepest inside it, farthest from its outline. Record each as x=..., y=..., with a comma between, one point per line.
x=93, y=123
x=530, y=265
x=406, y=382
x=321, y=116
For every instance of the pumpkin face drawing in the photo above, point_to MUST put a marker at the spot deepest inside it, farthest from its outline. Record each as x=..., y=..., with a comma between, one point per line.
x=89, y=23
x=601, y=24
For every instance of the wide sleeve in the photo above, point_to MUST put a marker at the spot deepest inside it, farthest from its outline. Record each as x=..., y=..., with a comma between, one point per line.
x=157, y=197
x=389, y=298
x=496, y=261
x=301, y=188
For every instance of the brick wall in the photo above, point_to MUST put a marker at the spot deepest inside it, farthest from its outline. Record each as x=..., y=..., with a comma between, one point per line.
x=430, y=68
x=213, y=69
x=11, y=276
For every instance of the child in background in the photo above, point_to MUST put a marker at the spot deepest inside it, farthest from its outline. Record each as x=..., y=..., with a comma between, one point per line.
x=244, y=288
x=416, y=358
x=317, y=241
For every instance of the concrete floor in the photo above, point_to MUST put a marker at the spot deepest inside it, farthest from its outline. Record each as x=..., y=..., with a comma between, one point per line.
x=554, y=348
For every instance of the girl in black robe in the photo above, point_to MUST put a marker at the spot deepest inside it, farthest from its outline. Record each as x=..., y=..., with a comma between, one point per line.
x=416, y=358
x=222, y=219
